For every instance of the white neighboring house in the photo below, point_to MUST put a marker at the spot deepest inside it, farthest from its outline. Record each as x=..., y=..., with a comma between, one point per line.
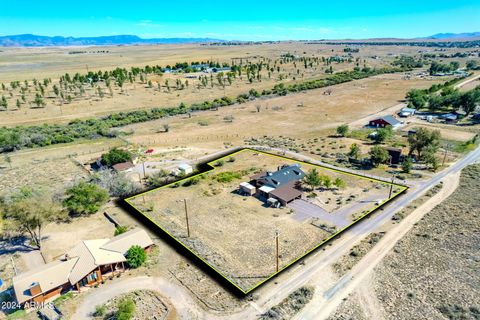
x=185, y=168
x=407, y=112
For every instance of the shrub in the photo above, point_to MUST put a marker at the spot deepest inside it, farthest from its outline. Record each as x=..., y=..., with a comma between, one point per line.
x=227, y=176
x=85, y=198
x=126, y=309
x=136, y=256
x=115, y=156
x=100, y=311
x=120, y=229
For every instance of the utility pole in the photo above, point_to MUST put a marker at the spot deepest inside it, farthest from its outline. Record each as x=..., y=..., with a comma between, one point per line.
x=276, y=245
x=144, y=175
x=186, y=217
x=391, y=186
x=445, y=155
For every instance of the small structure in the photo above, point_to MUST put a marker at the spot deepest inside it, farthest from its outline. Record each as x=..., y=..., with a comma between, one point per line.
x=385, y=121
x=395, y=155
x=449, y=117
x=247, y=189
x=407, y=112
x=123, y=166
x=84, y=265
x=185, y=169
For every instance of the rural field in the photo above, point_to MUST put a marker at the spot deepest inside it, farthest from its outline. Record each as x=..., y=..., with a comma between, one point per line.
x=289, y=98
x=246, y=224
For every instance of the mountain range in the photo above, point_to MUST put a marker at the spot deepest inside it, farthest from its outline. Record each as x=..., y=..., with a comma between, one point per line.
x=464, y=35
x=31, y=40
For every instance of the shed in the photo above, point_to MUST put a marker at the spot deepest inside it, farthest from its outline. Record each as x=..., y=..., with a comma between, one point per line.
x=407, y=112
x=385, y=121
x=185, y=168
x=123, y=166
x=395, y=155
x=247, y=188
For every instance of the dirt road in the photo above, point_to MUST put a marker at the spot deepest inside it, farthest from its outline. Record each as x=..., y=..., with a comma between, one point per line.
x=324, y=305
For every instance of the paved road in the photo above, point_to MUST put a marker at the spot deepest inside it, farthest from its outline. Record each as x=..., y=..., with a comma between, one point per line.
x=312, y=311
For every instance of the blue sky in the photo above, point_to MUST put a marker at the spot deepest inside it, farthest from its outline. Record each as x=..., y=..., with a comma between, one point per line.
x=240, y=20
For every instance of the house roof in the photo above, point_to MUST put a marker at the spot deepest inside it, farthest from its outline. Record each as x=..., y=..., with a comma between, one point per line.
x=406, y=109
x=125, y=241
x=247, y=185
x=91, y=255
x=123, y=166
x=184, y=166
x=82, y=259
x=284, y=175
x=48, y=276
x=266, y=189
x=258, y=175
x=389, y=119
x=286, y=192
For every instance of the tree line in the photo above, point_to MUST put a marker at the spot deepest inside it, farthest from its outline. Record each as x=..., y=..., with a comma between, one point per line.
x=38, y=136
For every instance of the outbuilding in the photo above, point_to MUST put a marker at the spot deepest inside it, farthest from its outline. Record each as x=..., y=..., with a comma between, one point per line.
x=185, y=168
x=407, y=112
x=247, y=189
x=385, y=121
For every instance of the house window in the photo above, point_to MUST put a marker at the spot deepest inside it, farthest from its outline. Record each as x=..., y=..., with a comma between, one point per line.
x=92, y=277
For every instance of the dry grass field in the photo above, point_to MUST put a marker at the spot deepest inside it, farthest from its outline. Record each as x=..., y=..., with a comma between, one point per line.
x=20, y=64
x=433, y=271
x=304, y=122
x=246, y=226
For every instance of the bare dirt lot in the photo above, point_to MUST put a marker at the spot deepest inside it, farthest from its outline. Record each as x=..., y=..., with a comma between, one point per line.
x=246, y=253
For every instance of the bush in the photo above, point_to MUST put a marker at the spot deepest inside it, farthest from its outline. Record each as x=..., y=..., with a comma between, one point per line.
x=85, y=198
x=115, y=156
x=120, y=229
x=100, y=311
x=227, y=176
x=342, y=130
x=126, y=309
x=136, y=256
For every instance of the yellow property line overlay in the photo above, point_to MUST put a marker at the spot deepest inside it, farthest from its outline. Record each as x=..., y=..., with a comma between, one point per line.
x=212, y=168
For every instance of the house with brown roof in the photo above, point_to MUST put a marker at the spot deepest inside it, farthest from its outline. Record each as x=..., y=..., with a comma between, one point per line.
x=84, y=265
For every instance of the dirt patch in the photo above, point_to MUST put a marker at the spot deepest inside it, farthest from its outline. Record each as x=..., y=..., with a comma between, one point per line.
x=246, y=224
x=432, y=271
x=148, y=305
x=290, y=305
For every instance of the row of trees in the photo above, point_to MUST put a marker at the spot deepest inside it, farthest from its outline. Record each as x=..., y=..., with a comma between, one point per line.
x=448, y=99
x=32, y=136
x=314, y=180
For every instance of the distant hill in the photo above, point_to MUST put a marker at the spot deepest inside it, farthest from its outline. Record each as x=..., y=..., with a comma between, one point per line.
x=455, y=35
x=31, y=40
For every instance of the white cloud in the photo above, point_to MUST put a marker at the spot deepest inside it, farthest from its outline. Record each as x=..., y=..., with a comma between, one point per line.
x=148, y=24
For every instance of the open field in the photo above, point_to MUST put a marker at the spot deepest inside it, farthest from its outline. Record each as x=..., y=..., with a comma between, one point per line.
x=433, y=271
x=302, y=122
x=246, y=254
x=86, y=101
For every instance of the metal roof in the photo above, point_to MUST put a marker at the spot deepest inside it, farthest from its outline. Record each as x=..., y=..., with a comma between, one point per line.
x=391, y=120
x=283, y=175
